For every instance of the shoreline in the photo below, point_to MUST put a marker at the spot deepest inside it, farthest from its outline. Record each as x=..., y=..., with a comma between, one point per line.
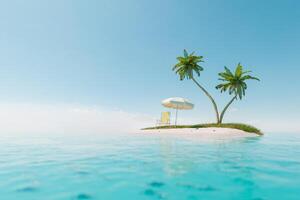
x=202, y=134
x=237, y=126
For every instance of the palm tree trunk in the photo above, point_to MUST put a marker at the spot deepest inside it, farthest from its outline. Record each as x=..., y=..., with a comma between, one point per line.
x=226, y=107
x=211, y=99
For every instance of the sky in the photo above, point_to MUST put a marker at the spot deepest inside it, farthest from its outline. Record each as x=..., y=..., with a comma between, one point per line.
x=109, y=56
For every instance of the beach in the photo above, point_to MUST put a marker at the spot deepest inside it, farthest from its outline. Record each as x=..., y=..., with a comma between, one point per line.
x=202, y=134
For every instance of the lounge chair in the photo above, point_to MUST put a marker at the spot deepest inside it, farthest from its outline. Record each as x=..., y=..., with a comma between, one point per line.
x=165, y=119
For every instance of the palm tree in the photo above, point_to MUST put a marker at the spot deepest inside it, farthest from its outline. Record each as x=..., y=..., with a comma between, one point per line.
x=187, y=66
x=235, y=83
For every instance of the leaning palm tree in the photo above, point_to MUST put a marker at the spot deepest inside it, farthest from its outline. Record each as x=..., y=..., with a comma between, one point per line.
x=235, y=84
x=187, y=66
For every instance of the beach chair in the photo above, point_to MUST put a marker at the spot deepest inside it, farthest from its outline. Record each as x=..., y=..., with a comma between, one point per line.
x=164, y=120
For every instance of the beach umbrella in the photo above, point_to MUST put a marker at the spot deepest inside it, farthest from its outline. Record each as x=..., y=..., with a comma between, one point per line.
x=177, y=103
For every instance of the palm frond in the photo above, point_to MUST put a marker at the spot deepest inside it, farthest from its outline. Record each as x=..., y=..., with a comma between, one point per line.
x=185, y=53
x=235, y=83
x=188, y=65
x=239, y=70
x=248, y=77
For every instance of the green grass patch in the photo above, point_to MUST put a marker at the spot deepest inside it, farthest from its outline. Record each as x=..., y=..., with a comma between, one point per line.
x=239, y=126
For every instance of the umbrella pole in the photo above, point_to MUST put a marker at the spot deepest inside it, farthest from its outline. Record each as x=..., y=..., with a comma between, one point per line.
x=176, y=116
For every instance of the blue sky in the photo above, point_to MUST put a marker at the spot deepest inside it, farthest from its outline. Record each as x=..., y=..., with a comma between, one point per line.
x=119, y=54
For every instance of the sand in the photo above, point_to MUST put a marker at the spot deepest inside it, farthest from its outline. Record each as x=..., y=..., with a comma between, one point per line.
x=202, y=134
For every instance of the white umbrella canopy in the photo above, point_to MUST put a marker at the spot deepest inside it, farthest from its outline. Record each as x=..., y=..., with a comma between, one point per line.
x=177, y=103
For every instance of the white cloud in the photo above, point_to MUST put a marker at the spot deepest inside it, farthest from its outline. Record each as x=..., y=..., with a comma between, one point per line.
x=68, y=119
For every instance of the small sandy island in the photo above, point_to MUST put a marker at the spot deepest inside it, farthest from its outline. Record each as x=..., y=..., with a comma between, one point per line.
x=202, y=134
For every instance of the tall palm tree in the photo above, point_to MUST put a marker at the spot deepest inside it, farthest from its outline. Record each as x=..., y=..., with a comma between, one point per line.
x=235, y=83
x=187, y=66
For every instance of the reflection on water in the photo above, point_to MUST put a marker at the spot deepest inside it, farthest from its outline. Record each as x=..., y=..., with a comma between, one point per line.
x=177, y=160
x=149, y=167
x=172, y=157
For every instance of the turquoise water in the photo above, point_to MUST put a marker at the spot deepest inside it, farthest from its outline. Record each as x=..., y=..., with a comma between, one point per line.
x=123, y=167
